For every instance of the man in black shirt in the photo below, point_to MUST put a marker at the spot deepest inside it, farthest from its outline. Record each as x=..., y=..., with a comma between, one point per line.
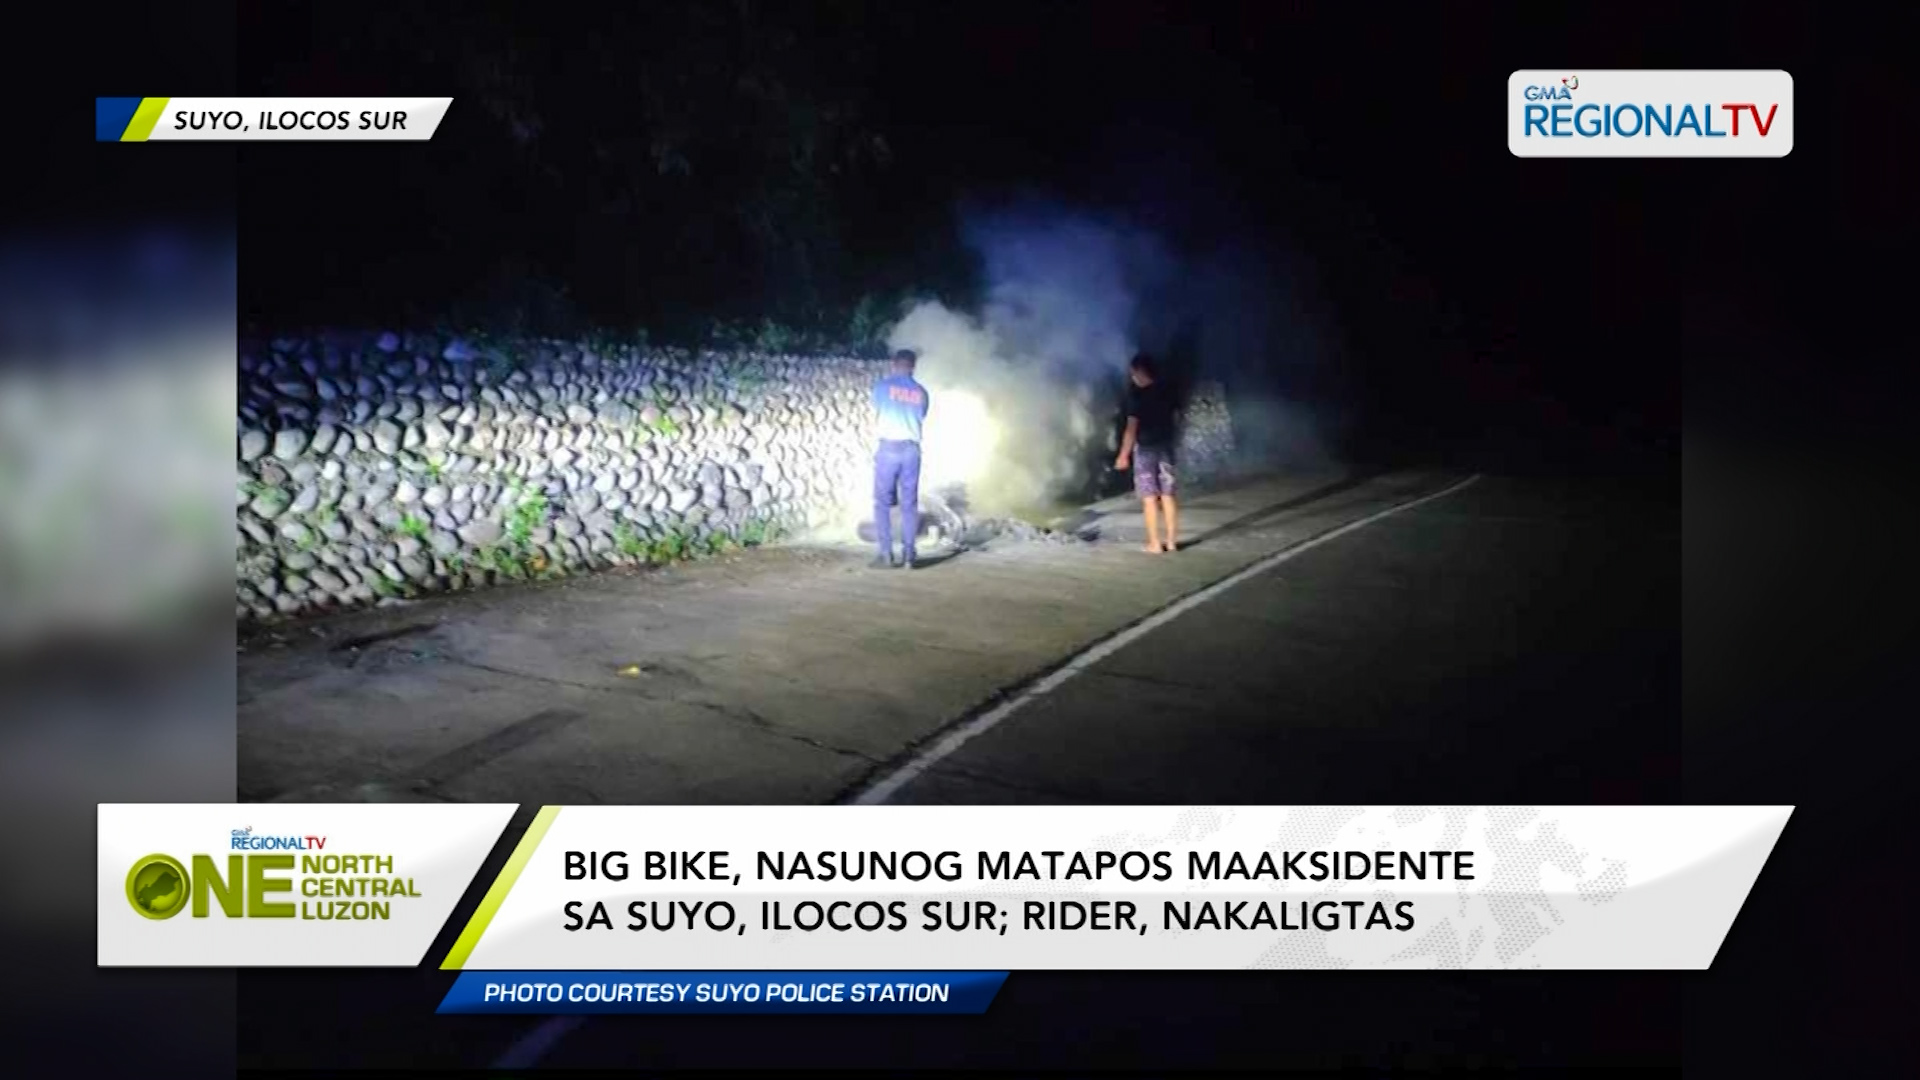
x=1148, y=447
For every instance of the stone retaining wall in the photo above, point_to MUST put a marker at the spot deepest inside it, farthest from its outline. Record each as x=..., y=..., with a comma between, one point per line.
x=394, y=466
x=1206, y=434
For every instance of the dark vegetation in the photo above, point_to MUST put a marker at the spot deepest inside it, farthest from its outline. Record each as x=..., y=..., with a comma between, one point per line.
x=701, y=174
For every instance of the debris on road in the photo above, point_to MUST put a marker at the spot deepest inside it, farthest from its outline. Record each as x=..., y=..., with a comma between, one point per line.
x=945, y=521
x=982, y=531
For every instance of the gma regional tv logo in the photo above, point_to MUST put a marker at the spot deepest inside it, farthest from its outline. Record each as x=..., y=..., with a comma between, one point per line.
x=314, y=885
x=1650, y=113
x=245, y=840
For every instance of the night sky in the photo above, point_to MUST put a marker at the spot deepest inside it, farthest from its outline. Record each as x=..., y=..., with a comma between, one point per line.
x=1469, y=290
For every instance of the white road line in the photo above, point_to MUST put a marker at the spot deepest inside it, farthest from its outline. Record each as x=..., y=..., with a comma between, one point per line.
x=886, y=787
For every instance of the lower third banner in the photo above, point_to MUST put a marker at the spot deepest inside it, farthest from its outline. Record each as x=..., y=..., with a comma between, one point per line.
x=571, y=992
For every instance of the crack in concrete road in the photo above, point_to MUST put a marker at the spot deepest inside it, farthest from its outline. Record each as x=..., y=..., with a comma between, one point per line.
x=430, y=779
x=354, y=644
x=737, y=713
x=755, y=720
x=494, y=745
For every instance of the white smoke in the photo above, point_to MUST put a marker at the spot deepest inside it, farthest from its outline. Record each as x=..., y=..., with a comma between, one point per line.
x=1025, y=391
x=1021, y=392
x=1001, y=426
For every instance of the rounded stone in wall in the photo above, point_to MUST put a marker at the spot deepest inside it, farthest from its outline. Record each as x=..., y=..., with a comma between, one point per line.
x=482, y=532
x=270, y=503
x=253, y=444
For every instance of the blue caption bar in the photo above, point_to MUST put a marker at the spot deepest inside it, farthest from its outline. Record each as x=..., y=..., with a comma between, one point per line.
x=590, y=992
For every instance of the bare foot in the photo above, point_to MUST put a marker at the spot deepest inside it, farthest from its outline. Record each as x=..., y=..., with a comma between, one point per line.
x=1152, y=548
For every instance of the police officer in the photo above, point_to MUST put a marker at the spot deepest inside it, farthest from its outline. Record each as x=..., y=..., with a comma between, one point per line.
x=901, y=403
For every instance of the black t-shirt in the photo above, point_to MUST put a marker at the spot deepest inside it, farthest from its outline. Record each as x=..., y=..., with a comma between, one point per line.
x=1152, y=405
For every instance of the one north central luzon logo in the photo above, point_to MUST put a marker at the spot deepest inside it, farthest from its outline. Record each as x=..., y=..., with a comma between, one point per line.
x=329, y=886
x=1560, y=111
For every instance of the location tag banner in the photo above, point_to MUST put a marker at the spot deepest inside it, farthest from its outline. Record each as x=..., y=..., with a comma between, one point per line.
x=263, y=119
x=990, y=888
x=285, y=884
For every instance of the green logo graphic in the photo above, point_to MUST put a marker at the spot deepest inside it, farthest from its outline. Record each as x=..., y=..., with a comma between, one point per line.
x=157, y=887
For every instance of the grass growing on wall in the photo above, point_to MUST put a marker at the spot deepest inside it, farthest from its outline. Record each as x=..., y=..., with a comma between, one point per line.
x=529, y=513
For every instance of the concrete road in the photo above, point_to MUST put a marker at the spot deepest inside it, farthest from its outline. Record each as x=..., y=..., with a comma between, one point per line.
x=785, y=675
x=1329, y=638
x=1507, y=640
x=1412, y=639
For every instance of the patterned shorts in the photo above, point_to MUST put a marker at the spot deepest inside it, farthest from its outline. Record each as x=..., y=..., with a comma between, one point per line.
x=1152, y=472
